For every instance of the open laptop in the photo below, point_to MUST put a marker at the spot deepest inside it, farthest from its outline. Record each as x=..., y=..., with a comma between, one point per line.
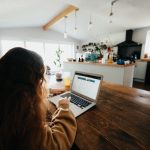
x=84, y=92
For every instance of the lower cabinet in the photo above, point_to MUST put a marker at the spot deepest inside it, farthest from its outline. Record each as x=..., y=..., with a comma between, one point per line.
x=140, y=71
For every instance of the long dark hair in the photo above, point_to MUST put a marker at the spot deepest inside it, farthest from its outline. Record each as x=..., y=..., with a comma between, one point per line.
x=21, y=97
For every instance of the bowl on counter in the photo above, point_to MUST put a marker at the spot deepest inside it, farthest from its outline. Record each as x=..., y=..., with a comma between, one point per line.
x=69, y=59
x=120, y=62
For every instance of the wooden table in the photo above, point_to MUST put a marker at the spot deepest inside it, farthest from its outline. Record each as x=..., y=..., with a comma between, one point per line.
x=121, y=120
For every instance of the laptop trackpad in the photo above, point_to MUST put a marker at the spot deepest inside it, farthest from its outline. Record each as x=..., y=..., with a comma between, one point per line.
x=66, y=95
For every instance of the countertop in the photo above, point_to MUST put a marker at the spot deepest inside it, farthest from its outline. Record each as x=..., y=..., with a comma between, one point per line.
x=145, y=59
x=100, y=64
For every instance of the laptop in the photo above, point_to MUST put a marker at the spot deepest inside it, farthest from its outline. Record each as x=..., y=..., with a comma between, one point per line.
x=84, y=92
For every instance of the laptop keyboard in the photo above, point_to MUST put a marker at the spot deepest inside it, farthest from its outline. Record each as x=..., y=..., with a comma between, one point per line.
x=78, y=101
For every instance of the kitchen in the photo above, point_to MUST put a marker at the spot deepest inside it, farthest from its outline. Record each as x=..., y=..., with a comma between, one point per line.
x=125, y=55
x=121, y=120
x=85, y=35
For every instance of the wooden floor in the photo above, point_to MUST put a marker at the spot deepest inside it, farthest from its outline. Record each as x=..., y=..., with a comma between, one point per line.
x=141, y=85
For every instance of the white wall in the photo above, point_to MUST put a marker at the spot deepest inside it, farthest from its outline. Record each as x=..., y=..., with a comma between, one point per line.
x=116, y=38
x=139, y=35
x=35, y=34
x=113, y=38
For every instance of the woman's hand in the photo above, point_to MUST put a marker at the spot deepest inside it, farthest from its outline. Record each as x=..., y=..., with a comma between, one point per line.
x=64, y=103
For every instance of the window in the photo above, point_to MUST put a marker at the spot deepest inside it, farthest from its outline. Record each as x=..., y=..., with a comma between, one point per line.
x=7, y=45
x=147, y=44
x=50, y=52
x=46, y=50
x=37, y=47
x=68, y=51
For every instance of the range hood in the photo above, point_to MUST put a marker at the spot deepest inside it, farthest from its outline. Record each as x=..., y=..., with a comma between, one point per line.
x=128, y=42
x=129, y=50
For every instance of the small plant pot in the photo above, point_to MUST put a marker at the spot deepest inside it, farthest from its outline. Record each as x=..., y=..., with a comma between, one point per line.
x=58, y=76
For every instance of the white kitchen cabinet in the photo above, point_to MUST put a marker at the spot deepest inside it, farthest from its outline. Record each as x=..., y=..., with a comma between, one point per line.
x=140, y=70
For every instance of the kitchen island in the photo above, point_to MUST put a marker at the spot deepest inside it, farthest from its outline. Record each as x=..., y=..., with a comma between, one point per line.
x=119, y=74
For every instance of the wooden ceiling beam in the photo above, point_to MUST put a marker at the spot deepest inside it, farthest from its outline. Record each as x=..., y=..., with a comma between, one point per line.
x=61, y=15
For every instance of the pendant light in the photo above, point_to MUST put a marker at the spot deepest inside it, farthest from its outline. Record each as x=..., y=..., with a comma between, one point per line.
x=65, y=30
x=111, y=13
x=75, y=20
x=90, y=24
x=111, y=10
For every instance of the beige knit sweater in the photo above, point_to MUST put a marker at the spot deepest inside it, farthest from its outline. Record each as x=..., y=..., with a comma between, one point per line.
x=56, y=134
x=59, y=134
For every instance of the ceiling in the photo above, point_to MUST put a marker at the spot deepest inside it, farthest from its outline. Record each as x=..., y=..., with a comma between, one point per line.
x=128, y=14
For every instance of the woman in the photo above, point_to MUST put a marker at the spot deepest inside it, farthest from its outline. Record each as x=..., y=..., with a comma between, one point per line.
x=23, y=106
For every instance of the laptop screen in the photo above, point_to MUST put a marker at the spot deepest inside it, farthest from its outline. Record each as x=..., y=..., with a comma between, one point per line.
x=87, y=85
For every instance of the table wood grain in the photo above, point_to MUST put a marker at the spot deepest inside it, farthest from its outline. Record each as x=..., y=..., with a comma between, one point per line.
x=121, y=120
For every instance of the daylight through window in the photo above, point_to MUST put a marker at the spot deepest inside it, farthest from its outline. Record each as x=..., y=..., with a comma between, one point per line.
x=46, y=50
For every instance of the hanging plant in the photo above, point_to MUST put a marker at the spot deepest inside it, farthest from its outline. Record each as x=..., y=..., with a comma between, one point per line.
x=97, y=47
x=57, y=61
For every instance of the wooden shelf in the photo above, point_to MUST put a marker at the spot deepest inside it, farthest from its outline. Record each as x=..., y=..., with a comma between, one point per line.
x=145, y=59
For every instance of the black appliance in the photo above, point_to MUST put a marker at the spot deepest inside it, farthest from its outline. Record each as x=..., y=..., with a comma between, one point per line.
x=147, y=76
x=129, y=50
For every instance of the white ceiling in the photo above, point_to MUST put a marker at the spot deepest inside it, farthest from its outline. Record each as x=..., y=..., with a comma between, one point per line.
x=128, y=14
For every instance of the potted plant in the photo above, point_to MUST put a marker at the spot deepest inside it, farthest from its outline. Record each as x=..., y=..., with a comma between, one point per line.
x=58, y=64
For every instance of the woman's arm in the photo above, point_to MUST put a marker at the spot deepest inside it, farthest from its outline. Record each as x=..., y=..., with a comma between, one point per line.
x=59, y=134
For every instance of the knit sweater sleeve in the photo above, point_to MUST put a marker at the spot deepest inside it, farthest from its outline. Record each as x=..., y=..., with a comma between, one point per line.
x=59, y=134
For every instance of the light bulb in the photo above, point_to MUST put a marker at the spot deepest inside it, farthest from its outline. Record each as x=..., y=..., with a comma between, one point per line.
x=75, y=30
x=65, y=32
x=65, y=35
x=75, y=21
x=90, y=25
